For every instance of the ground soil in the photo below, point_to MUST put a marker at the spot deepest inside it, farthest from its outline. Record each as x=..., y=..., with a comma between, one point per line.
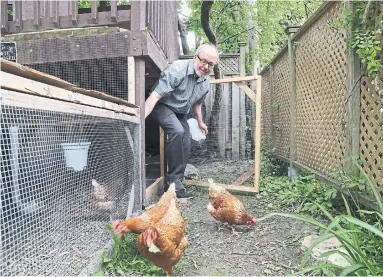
x=271, y=247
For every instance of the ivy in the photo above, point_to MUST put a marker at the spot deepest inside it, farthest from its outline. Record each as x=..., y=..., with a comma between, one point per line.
x=366, y=34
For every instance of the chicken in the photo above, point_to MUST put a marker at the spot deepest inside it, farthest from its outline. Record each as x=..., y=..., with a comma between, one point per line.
x=148, y=218
x=99, y=191
x=164, y=243
x=227, y=208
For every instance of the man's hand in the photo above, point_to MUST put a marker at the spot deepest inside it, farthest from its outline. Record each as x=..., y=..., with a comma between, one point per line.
x=203, y=127
x=151, y=102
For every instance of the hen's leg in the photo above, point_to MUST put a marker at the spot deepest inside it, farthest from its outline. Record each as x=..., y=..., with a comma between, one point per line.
x=235, y=233
x=221, y=226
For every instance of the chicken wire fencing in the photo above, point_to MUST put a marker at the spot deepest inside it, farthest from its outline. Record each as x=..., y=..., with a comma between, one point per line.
x=64, y=176
x=94, y=62
x=230, y=118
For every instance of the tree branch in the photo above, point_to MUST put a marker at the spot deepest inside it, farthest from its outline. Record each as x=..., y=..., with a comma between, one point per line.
x=237, y=34
x=205, y=20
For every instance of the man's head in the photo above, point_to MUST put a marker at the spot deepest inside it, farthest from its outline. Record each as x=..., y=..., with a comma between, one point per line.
x=205, y=58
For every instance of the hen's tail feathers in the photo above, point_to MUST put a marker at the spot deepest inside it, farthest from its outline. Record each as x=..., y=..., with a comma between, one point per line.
x=95, y=183
x=172, y=187
x=210, y=208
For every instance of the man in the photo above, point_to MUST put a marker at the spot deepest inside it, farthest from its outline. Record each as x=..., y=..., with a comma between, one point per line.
x=182, y=85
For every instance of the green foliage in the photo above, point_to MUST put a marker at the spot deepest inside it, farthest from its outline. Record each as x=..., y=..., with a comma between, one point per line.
x=228, y=19
x=125, y=258
x=303, y=194
x=360, y=234
x=365, y=35
x=86, y=3
x=230, y=22
x=273, y=17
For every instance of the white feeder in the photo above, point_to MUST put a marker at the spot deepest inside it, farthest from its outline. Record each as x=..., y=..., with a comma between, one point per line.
x=195, y=131
x=76, y=154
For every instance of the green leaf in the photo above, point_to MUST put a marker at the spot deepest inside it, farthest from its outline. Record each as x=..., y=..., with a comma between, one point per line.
x=351, y=269
x=364, y=225
x=99, y=273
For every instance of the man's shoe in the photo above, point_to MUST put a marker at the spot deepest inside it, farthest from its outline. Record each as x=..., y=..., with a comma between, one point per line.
x=166, y=187
x=183, y=194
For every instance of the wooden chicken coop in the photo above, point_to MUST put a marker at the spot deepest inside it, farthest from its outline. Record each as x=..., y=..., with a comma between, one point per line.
x=108, y=51
x=111, y=46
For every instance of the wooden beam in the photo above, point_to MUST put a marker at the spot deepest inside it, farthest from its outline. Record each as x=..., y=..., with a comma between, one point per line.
x=131, y=81
x=36, y=13
x=247, y=90
x=153, y=189
x=20, y=84
x=74, y=12
x=154, y=51
x=353, y=100
x=244, y=176
x=233, y=79
x=228, y=187
x=4, y=17
x=94, y=13
x=113, y=10
x=65, y=21
x=293, y=96
x=235, y=133
x=162, y=152
x=138, y=24
x=55, y=15
x=257, y=150
x=29, y=101
x=17, y=17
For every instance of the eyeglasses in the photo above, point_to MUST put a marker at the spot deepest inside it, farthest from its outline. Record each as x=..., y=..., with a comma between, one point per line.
x=205, y=62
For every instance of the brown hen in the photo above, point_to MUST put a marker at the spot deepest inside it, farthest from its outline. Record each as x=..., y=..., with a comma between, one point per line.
x=148, y=218
x=164, y=243
x=227, y=208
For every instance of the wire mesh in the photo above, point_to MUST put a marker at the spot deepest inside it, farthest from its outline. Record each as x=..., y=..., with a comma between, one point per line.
x=230, y=121
x=95, y=62
x=108, y=75
x=64, y=176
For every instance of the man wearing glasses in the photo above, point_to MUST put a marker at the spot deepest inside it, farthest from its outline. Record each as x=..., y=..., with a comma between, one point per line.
x=182, y=85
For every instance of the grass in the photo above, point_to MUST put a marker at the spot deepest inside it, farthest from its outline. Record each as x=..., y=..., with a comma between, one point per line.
x=124, y=258
x=360, y=233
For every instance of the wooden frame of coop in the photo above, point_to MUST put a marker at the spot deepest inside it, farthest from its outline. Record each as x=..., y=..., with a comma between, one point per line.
x=253, y=170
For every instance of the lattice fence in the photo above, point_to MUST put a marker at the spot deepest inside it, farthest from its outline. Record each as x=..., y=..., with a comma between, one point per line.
x=229, y=63
x=321, y=93
x=266, y=111
x=281, y=105
x=371, y=125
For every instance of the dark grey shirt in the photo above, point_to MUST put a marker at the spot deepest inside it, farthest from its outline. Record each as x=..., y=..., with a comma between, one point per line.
x=180, y=87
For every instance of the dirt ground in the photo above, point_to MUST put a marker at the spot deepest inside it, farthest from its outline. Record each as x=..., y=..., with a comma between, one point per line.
x=272, y=247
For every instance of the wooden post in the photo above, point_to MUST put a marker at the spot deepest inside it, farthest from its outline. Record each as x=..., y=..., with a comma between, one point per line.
x=290, y=31
x=242, y=104
x=353, y=103
x=131, y=80
x=4, y=17
x=257, y=152
x=162, y=152
x=273, y=109
x=17, y=14
x=235, y=122
x=138, y=13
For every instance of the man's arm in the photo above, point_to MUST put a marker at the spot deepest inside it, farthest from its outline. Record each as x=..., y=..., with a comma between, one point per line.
x=198, y=114
x=151, y=102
